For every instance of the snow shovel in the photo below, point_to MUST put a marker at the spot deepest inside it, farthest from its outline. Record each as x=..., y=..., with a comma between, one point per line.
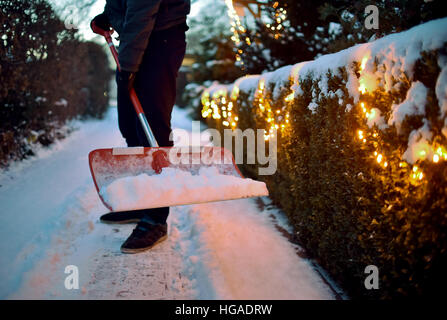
x=113, y=169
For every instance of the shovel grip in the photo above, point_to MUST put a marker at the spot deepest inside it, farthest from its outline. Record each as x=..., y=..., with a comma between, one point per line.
x=107, y=34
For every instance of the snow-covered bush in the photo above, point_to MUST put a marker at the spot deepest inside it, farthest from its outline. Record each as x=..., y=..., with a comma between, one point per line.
x=362, y=158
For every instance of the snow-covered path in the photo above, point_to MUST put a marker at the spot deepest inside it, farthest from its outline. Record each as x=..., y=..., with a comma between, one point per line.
x=49, y=214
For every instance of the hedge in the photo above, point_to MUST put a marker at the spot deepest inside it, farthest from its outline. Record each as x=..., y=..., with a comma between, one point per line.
x=362, y=161
x=47, y=77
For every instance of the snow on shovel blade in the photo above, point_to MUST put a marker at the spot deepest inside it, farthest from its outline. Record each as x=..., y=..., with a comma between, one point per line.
x=125, y=180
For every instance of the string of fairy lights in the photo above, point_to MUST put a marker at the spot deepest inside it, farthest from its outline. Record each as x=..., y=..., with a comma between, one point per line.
x=276, y=119
x=220, y=106
x=276, y=26
x=239, y=32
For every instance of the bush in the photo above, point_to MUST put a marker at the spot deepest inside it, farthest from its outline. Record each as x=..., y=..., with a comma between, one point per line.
x=361, y=178
x=46, y=74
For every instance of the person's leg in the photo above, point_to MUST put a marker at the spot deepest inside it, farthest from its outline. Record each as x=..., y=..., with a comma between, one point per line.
x=155, y=85
x=127, y=121
x=155, y=82
x=156, y=89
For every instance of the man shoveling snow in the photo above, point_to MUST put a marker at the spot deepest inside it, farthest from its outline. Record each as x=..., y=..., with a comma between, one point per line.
x=142, y=176
x=152, y=48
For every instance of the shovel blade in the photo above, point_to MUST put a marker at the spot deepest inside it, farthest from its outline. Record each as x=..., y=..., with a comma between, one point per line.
x=109, y=165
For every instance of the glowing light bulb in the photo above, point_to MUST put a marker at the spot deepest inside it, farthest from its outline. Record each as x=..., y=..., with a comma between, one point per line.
x=442, y=153
x=290, y=97
x=363, y=64
x=363, y=107
x=362, y=88
x=379, y=158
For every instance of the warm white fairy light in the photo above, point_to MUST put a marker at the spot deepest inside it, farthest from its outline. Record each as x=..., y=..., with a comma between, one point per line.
x=237, y=29
x=277, y=22
x=417, y=173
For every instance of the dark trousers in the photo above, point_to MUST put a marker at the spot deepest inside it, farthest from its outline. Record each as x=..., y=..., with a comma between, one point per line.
x=155, y=85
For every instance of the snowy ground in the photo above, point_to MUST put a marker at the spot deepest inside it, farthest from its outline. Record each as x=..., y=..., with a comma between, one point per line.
x=49, y=213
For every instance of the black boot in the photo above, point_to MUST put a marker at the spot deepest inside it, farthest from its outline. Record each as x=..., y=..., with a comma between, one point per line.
x=145, y=236
x=122, y=217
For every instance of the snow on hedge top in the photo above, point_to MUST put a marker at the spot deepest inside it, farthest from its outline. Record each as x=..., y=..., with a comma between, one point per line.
x=398, y=52
x=414, y=104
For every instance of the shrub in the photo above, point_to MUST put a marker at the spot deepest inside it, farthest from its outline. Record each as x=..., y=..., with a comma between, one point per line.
x=362, y=160
x=46, y=77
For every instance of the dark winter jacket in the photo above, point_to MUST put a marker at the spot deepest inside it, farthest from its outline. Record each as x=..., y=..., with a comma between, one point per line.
x=134, y=20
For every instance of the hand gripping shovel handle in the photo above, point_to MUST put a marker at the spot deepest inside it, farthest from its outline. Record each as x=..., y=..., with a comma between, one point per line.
x=133, y=95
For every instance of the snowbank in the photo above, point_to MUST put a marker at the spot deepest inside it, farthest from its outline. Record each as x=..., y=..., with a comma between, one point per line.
x=236, y=252
x=178, y=187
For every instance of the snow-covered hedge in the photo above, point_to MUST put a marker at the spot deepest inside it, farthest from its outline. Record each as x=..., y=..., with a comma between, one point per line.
x=362, y=160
